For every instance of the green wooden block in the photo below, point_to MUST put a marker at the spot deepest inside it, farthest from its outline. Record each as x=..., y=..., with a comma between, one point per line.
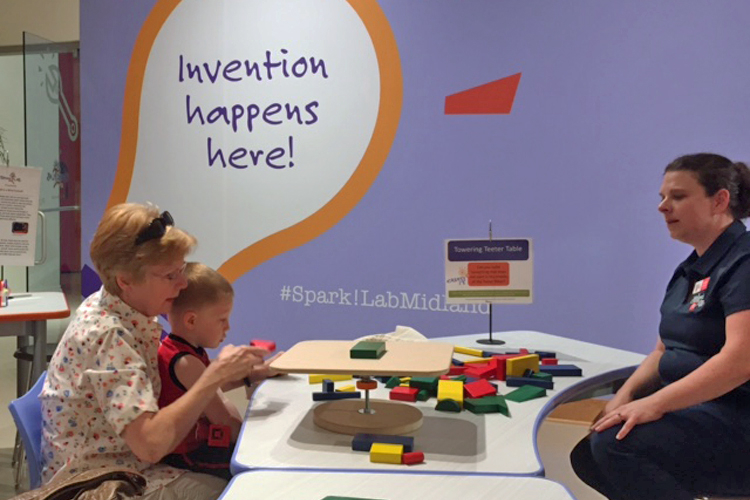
x=427, y=383
x=488, y=404
x=367, y=350
x=526, y=393
x=393, y=382
x=448, y=405
x=423, y=395
x=462, y=378
x=542, y=375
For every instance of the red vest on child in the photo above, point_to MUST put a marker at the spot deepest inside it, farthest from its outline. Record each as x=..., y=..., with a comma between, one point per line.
x=171, y=349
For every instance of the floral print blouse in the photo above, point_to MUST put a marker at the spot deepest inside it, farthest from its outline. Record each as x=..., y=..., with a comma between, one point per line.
x=104, y=374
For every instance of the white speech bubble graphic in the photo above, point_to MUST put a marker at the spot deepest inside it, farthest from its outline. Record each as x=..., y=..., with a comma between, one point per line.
x=256, y=119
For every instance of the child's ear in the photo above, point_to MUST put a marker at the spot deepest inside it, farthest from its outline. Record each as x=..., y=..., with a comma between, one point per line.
x=189, y=319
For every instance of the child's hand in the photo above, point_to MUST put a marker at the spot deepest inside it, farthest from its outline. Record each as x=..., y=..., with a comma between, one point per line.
x=264, y=371
x=235, y=362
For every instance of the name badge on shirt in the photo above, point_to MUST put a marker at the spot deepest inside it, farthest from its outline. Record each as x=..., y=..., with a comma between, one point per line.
x=698, y=299
x=701, y=286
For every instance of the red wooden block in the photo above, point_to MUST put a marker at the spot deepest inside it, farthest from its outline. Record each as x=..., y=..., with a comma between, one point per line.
x=404, y=394
x=456, y=370
x=501, y=359
x=549, y=361
x=479, y=389
x=268, y=345
x=523, y=351
x=480, y=371
x=414, y=457
x=444, y=377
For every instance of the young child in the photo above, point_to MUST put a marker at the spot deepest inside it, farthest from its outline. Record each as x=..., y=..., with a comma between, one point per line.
x=200, y=319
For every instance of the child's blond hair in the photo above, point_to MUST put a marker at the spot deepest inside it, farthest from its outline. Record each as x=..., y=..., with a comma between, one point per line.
x=205, y=287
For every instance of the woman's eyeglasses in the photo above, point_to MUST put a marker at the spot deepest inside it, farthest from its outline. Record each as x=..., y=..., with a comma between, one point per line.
x=156, y=229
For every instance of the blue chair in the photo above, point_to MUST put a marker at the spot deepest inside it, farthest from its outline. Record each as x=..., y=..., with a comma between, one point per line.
x=27, y=414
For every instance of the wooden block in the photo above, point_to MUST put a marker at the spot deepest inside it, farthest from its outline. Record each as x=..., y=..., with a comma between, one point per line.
x=479, y=389
x=545, y=354
x=426, y=383
x=384, y=453
x=526, y=393
x=562, y=370
x=451, y=389
x=415, y=457
x=367, y=385
x=502, y=360
x=393, y=382
x=405, y=379
x=480, y=371
x=468, y=351
x=268, y=345
x=542, y=375
x=423, y=395
x=316, y=378
x=404, y=394
x=346, y=388
x=367, y=350
x=327, y=385
x=489, y=404
x=549, y=361
x=536, y=382
x=448, y=405
x=332, y=396
x=460, y=378
x=477, y=361
x=457, y=362
x=363, y=442
x=456, y=370
x=514, y=367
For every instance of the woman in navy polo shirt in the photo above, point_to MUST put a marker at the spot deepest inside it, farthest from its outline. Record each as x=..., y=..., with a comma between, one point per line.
x=680, y=426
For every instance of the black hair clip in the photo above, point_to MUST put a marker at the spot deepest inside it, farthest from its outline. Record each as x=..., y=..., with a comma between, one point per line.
x=156, y=229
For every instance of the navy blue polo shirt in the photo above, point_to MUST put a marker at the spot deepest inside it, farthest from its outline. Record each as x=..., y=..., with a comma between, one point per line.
x=702, y=293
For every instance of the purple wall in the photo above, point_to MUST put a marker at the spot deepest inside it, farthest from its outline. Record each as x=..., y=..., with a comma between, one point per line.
x=610, y=93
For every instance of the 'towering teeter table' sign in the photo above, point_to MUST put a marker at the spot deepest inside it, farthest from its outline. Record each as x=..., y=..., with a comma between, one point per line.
x=488, y=271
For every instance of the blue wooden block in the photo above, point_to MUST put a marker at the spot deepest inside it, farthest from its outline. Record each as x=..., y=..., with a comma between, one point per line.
x=457, y=362
x=327, y=385
x=363, y=442
x=330, y=396
x=536, y=382
x=545, y=354
x=561, y=370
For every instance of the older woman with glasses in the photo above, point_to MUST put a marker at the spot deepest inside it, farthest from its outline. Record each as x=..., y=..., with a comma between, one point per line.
x=99, y=402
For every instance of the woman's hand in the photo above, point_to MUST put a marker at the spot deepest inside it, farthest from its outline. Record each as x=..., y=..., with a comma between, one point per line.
x=619, y=399
x=629, y=415
x=235, y=363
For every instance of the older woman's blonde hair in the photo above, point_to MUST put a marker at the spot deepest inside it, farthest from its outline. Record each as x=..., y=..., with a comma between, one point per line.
x=113, y=248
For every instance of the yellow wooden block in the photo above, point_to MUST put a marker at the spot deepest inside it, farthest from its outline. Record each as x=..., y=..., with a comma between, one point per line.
x=383, y=453
x=404, y=384
x=405, y=379
x=515, y=367
x=451, y=389
x=346, y=388
x=467, y=350
x=316, y=378
x=477, y=361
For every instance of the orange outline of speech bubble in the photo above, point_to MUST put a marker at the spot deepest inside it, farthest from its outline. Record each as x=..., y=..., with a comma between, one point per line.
x=389, y=113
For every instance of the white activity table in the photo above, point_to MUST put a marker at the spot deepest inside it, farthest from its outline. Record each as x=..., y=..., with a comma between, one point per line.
x=286, y=485
x=26, y=316
x=279, y=433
